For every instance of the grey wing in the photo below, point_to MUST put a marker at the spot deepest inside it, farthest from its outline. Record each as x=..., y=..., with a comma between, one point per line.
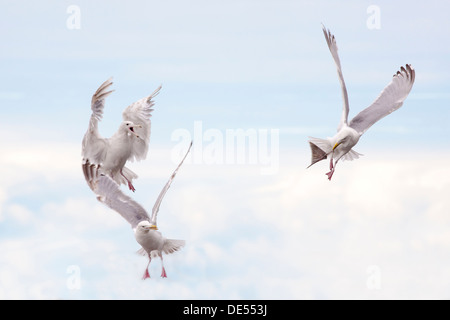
x=139, y=113
x=109, y=193
x=164, y=190
x=94, y=145
x=389, y=100
x=331, y=41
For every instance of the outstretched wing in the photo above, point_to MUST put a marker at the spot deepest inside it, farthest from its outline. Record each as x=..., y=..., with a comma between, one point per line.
x=94, y=145
x=109, y=193
x=139, y=113
x=164, y=190
x=331, y=41
x=389, y=100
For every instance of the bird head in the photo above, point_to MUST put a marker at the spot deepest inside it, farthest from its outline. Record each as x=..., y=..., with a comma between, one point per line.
x=346, y=138
x=145, y=226
x=129, y=126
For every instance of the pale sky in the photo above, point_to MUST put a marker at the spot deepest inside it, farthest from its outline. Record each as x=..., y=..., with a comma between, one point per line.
x=378, y=230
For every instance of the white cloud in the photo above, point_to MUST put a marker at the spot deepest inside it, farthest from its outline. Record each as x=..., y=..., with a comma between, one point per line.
x=291, y=235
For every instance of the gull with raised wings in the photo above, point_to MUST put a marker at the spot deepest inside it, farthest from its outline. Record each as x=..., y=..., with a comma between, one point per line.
x=130, y=142
x=348, y=133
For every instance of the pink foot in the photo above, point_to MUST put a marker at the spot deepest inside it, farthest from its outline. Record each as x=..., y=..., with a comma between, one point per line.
x=330, y=174
x=146, y=275
x=131, y=186
x=163, y=273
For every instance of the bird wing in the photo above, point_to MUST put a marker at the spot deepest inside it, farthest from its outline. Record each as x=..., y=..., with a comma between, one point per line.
x=94, y=145
x=109, y=193
x=331, y=41
x=164, y=190
x=139, y=113
x=389, y=100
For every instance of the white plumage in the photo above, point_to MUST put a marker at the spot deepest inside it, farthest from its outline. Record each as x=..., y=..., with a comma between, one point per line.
x=145, y=227
x=128, y=143
x=348, y=133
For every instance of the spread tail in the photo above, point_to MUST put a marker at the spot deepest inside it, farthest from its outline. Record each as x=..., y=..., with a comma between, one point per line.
x=320, y=148
x=172, y=245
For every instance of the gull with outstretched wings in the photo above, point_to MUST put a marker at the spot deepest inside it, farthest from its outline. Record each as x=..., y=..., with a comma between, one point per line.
x=130, y=142
x=144, y=226
x=348, y=133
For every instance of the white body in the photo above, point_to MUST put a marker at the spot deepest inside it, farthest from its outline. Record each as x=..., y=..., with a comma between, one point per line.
x=117, y=155
x=152, y=240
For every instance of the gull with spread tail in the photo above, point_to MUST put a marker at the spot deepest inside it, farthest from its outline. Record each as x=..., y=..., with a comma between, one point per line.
x=130, y=142
x=144, y=226
x=348, y=133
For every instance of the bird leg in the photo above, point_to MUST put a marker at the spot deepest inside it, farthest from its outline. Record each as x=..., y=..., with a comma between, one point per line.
x=330, y=174
x=130, y=185
x=332, y=168
x=146, y=273
x=163, y=271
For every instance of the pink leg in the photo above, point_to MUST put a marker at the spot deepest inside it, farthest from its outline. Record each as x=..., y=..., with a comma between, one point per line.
x=330, y=174
x=163, y=271
x=130, y=185
x=332, y=168
x=146, y=273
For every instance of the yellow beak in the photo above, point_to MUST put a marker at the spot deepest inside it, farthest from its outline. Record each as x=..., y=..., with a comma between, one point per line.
x=153, y=227
x=335, y=146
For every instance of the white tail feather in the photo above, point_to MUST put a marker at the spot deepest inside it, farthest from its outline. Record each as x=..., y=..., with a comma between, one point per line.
x=323, y=144
x=351, y=155
x=172, y=245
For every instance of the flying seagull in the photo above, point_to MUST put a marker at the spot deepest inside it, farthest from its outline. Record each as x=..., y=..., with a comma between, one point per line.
x=144, y=226
x=348, y=133
x=129, y=143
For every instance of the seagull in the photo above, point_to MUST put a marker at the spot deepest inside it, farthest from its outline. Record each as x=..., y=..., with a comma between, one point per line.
x=144, y=226
x=129, y=143
x=348, y=133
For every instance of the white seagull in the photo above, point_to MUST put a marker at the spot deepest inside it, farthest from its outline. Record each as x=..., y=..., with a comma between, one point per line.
x=145, y=229
x=348, y=133
x=129, y=143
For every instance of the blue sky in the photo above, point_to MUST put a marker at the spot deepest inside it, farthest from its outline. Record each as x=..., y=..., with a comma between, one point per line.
x=252, y=65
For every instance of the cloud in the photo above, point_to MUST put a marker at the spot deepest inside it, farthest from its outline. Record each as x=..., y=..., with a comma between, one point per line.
x=290, y=235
